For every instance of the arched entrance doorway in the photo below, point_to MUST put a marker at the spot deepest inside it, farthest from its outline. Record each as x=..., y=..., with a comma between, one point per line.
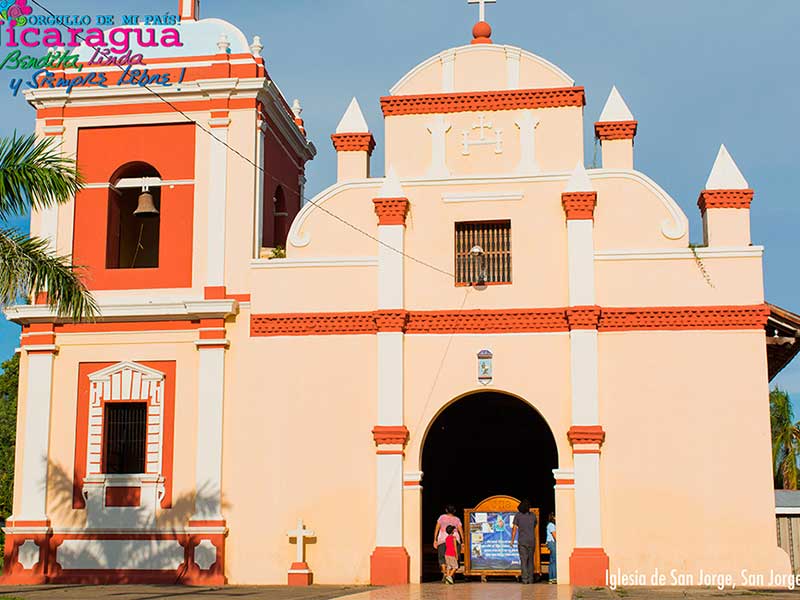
x=484, y=444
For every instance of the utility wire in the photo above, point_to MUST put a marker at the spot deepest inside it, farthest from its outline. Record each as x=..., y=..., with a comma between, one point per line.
x=260, y=168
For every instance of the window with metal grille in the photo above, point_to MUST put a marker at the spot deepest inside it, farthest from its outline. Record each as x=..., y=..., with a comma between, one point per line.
x=483, y=252
x=125, y=437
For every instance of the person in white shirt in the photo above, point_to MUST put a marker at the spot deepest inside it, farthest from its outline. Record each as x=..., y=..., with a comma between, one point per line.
x=551, y=545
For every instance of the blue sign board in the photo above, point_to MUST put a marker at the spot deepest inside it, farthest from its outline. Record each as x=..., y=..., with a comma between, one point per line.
x=490, y=542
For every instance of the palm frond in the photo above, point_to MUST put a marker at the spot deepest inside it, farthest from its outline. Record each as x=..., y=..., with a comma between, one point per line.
x=34, y=175
x=27, y=267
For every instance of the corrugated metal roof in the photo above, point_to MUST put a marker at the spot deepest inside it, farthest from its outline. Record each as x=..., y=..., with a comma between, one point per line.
x=787, y=499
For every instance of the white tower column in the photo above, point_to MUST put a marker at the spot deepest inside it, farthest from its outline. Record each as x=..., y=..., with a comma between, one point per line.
x=217, y=200
x=390, y=563
x=36, y=434
x=588, y=562
x=210, y=403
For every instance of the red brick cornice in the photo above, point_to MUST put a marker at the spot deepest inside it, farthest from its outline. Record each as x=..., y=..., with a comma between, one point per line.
x=420, y=104
x=583, y=317
x=615, y=130
x=391, y=320
x=390, y=435
x=343, y=323
x=724, y=199
x=579, y=205
x=487, y=321
x=586, y=434
x=391, y=211
x=668, y=318
x=684, y=317
x=353, y=142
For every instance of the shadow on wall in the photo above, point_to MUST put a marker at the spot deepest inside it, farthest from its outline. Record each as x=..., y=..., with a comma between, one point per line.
x=167, y=547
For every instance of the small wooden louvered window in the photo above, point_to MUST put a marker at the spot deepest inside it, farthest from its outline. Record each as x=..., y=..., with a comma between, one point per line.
x=493, y=265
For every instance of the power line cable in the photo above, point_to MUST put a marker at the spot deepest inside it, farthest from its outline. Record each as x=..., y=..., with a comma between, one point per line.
x=261, y=169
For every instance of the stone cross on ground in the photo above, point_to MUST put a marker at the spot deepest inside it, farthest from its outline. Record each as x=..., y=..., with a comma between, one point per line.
x=301, y=534
x=482, y=7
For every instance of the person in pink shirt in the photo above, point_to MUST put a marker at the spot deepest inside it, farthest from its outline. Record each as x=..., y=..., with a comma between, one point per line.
x=440, y=535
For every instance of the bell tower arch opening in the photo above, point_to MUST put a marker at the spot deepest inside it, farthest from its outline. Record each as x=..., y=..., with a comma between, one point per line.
x=134, y=217
x=484, y=444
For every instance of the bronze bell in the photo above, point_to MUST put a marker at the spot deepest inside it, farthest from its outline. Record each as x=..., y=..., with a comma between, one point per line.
x=147, y=207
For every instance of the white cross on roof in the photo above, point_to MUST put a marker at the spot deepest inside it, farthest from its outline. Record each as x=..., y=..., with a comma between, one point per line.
x=482, y=7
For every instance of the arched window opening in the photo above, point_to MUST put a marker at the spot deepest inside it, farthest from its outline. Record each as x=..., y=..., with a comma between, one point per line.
x=280, y=216
x=134, y=218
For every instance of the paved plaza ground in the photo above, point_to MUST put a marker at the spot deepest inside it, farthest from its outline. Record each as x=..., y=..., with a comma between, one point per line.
x=432, y=591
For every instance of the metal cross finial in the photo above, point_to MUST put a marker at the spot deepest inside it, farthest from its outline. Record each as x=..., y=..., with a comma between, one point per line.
x=482, y=7
x=300, y=533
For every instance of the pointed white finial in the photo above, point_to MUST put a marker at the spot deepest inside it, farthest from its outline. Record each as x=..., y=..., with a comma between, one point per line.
x=296, y=108
x=223, y=44
x=615, y=108
x=725, y=175
x=391, y=187
x=256, y=47
x=353, y=120
x=579, y=180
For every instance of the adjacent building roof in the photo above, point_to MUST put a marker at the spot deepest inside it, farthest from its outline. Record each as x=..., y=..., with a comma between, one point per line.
x=787, y=502
x=783, y=339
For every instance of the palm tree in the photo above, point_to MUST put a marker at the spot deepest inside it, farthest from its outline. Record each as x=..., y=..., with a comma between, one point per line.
x=34, y=175
x=785, y=438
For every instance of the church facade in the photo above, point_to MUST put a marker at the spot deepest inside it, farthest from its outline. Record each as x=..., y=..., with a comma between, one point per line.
x=227, y=394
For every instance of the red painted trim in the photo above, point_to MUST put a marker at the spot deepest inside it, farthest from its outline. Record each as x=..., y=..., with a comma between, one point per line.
x=216, y=292
x=615, y=130
x=565, y=482
x=300, y=579
x=583, y=317
x=169, y=148
x=15, y=523
x=208, y=523
x=586, y=434
x=144, y=108
x=220, y=292
x=126, y=326
x=390, y=435
x=684, y=317
x=420, y=104
x=49, y=571
x=123, y=496
x=347, y=323
x=353, y=142
x=515, y=320
x=391, y=320
x=588, y=567
x=585, y=451
x=389, y=566
x=412, y=483
x=391, y=211
x=238, y=297
x=37, y=339
x=579, y=205
x=390, y=452
x=487, y=321
x=724, y=199
x=82, y=427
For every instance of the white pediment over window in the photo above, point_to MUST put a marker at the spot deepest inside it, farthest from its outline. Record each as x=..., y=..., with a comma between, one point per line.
x=141, y=372
x=124, y=382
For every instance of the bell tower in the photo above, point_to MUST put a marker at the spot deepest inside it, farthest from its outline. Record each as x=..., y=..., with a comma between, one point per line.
x=164, y=149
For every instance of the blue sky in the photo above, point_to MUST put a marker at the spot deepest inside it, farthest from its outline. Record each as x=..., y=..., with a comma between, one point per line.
x=695, y=74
